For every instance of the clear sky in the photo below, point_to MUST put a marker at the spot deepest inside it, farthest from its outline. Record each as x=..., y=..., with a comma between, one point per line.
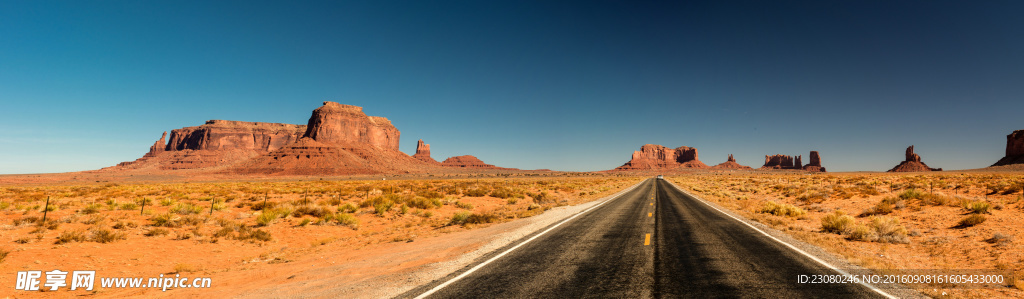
x=526, y=84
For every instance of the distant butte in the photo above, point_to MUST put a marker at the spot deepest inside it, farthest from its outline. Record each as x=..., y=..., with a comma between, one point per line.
x=912, y=163
x=653, y=157
x=1014, y=149
x=467, y=161
x=730, y=163
x=790, y=162
x=423, y=152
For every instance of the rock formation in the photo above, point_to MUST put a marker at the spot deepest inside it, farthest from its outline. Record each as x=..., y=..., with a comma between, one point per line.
x=1014, y=149
x=339, y=140
x=653, y=156
x=912, y=163
x=789, y=162
x=423, y=152
x=216, y=143
x=730, y=164
x=335, y=123
x=467, y=161
x=815, y=165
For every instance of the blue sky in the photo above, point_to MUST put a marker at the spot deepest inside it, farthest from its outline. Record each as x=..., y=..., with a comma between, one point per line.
x=526, y=84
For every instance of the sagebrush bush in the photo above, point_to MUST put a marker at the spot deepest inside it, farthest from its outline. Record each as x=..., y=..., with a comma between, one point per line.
x=977, y=207
x=837, y=223
x=105, y=236
x=349, y=220
x=778, y=209
x=69, y=236
x=972, y=220
x=889, y=230
x=460, y=218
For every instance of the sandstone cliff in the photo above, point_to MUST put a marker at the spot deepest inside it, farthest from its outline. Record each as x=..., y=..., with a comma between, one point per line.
x=653, y=156
x=1014, y=149
x=789, y=162
x=339, y=140
x=912, y=163
x=216, y=143
x=815, y=165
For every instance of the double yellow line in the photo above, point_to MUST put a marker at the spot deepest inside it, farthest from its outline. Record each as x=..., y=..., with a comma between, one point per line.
x=647, y=237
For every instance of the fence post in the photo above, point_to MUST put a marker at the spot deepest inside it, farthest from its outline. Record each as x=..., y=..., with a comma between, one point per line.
x=45, y=209
x=143, y=209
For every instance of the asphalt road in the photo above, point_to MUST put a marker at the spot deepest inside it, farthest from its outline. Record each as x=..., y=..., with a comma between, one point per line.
x=653, y=241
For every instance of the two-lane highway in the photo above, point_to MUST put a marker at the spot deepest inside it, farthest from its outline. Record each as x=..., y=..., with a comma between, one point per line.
x=653, y=241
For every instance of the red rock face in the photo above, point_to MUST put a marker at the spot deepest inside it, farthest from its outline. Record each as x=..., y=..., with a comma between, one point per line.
x=912, y=163
x=730, y=164
x=1014, y=149
x=467, y=161
x=653, y=156
x=235, y=135
x=789, y=162
x=778, y=162
x=334, y=123
x=158, y=146
x=423, y=152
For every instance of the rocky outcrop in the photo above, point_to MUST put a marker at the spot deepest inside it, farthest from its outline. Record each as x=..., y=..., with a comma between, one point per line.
x=1014, y=149
x=730, y=164
x=339, y=140
x=467, y=161
x=778, y=162
x=912, y=163
x=216, y=143
x=423, y=152
x=791, y=162
x=653, y=156
x=235, y=135
x=815, y=165
x=335, y=123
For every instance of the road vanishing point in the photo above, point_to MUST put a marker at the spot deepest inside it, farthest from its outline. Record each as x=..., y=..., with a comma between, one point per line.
x=652, y=241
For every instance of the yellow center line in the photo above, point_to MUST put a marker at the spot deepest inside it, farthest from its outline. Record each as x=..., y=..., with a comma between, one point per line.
x=649, y=214
x=652, y=203
x=647, y=240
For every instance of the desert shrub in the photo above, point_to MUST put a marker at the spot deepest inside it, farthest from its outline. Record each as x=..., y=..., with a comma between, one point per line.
x=186, y=209
x=91, y=209
x=911, y=194
x=463, y=205
x=424, y=203
x=347, y=208
x=481, y=218
x=248, y=234
x=266, y=218
x=837, y=223
x=977, y=207
x=183, y=268
x=105, y=236
x=429, y=194
x=460, y=217
x=349, y=220
x=156, y=232
x=512, y=201
x=305, y=221
x=165, y=220
x=936, y=199
x=123, y=225
x=477, y=192
x=861, y=233
x=782, y=209
x=813, y=197
x=383, y=207
x=889, y=230
x=3, y=254
x=26, y=220
x=129, y=206
x=506, y=193
x=541, y=197
x=884, y=207
x=999, y=238
x=972, y=220
x=311, y=210
x=69, y=236
x=166, y=202
x=259, y=206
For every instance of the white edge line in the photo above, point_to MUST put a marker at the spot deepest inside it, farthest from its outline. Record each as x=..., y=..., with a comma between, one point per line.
x=794, y=248
x=481, y=265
